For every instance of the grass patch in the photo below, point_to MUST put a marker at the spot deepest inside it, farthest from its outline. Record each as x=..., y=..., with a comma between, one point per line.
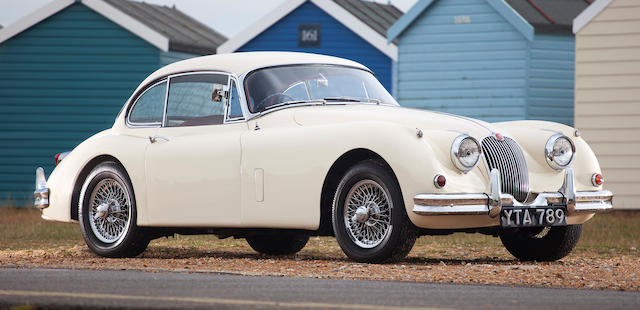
x=615, y=232
x=604, y=235
x=23, y=229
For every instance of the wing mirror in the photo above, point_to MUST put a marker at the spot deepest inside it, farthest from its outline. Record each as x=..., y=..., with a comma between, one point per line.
x=217, y=94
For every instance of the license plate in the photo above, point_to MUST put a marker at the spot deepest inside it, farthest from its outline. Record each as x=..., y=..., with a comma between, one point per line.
x=533, y=217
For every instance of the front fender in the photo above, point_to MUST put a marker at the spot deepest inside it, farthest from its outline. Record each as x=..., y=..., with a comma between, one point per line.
x=532, y=137
x=415, y=160
x=128, y=150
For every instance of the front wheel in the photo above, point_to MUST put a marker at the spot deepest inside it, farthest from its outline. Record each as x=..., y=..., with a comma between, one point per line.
x=107, y=213
x=369, y=216
x=541, y=243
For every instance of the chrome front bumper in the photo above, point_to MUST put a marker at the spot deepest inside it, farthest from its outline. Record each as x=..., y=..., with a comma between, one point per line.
x=491, y=204
x=41, y=194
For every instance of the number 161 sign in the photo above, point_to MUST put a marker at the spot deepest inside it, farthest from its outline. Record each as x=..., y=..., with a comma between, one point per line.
x=309, y=35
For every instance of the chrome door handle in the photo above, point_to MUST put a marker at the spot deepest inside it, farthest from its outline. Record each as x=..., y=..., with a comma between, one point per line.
x=153, y=139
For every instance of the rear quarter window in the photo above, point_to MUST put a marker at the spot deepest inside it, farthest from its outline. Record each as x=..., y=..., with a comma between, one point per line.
x=149, y=106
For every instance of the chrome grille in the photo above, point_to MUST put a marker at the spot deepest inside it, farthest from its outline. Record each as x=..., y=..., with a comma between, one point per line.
x=507, y=157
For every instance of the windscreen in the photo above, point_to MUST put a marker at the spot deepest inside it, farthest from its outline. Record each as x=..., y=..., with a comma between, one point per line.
x=276, y=86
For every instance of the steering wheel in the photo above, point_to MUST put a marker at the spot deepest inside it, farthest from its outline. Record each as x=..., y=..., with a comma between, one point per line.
x=270, y=100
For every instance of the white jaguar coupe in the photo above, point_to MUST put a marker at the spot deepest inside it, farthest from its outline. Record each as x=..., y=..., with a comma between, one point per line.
x=275, y=147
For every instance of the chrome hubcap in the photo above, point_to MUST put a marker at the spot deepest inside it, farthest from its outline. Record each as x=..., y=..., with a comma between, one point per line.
x=367, y=214
x=109, y=210
x=103, y=210
x=362, y=214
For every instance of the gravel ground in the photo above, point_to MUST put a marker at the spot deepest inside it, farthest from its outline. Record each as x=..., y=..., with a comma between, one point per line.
x=483, y=262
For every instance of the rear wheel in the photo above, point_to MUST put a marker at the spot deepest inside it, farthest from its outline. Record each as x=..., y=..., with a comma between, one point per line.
x=541, y=243
x=369, y=216
x=107, y=213
x=278, y=244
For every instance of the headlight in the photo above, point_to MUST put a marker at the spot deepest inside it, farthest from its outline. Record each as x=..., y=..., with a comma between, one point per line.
x=465, y=152
x=559, y=151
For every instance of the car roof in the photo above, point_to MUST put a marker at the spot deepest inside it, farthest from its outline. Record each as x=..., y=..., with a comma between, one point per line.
x=243, y=62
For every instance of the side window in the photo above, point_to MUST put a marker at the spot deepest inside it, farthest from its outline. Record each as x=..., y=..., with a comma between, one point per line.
x=149, y=106
x=235, y=110
x=196, y=99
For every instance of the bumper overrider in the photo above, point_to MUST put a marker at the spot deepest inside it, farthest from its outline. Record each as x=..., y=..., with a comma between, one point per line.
x=41, y=194
x=491, y=204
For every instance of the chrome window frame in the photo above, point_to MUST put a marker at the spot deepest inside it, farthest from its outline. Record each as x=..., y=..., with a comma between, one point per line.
x=249, y=115
x=167, y=78
x=171, y=76
x=240, y=82
x=227, y=119
x=131, y=124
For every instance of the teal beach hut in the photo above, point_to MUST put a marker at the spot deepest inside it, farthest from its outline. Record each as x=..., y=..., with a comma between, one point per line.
x=67, y=69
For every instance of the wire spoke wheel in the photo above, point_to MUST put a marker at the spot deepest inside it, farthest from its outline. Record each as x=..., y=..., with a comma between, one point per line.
x=367, y=214
x=369, y=217
x=108, y=215
x=109, y=210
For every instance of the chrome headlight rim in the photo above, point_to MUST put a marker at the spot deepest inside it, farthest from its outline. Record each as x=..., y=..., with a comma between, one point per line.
x=548, y=151
x=455, y=156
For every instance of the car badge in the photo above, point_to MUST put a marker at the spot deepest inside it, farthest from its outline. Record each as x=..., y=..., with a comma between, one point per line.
x=498, y=136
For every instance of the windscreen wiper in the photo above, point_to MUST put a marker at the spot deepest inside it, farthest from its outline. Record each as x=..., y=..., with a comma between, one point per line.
x=353, y=99
x=282, y=104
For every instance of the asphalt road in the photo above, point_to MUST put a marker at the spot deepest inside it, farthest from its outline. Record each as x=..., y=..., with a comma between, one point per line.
x=67, y=289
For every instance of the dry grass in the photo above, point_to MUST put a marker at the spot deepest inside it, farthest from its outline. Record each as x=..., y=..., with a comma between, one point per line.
x=606, y=257
x=605, y=234
x=22, y=228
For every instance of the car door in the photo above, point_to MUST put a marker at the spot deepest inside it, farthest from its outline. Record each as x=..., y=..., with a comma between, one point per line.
x=143, y=120
x=193, y=162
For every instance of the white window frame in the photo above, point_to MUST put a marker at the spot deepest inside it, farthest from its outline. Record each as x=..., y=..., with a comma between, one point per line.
x=133, y=106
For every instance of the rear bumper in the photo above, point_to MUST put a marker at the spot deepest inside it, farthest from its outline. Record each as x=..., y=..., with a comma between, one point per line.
x=491, y=204
x=41, y=194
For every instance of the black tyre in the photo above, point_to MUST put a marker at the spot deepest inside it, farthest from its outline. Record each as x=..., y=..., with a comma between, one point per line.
x=278, y=244
x=107, y=213
x=369, y=217
x=541, y=243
